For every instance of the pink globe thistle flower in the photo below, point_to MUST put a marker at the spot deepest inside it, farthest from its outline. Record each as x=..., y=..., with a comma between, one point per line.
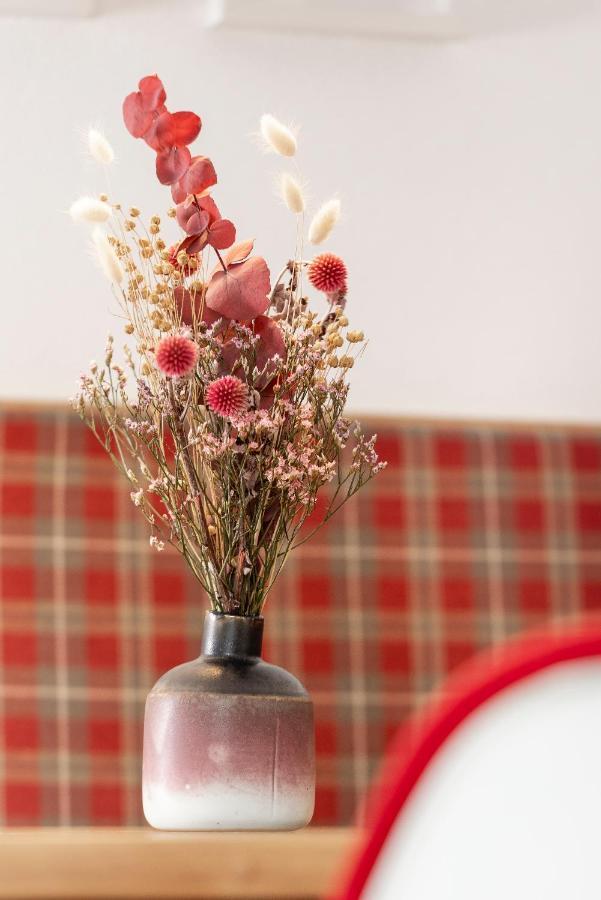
x=327, y=273
x=176, y=355
x=228, y=397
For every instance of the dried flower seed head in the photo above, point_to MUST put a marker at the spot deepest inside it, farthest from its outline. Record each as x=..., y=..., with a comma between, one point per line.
x=176, y=356
x=134, y=212
x=154, y=229
x=160, y=244
x=89, y=209
x=342, y=321
x=335, y=340
x=108, y=259
x=292, y=193
x=227, y=397
x=103, y=197
x=323, y=221
x=355, y=337
x=346, y=362
x=277, y=136
x=332, y=360
x=155, y=220
x=129, y=328
x=172, y=212
x=99, y=148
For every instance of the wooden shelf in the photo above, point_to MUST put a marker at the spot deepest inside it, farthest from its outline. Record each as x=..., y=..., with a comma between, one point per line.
x=127, y=863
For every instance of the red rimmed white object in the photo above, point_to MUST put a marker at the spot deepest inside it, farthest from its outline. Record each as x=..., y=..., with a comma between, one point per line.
x=517, y=726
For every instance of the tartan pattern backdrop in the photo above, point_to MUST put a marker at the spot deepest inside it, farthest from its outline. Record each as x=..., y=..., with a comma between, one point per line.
x=471, y=534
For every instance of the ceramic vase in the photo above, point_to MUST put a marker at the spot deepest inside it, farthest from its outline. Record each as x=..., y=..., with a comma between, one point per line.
x=228, y=738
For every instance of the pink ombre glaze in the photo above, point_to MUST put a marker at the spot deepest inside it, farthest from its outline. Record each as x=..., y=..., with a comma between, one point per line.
x=228, y=761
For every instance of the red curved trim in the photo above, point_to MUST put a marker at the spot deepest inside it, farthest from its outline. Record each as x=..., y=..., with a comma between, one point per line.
x=468, y=688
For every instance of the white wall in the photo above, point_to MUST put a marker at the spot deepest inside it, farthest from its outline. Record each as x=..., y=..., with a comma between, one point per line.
x=470, y=174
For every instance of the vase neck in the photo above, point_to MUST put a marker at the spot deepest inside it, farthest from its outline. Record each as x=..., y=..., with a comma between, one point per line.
x=238, y=636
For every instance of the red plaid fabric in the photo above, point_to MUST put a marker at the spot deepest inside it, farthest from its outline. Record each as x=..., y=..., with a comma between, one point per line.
x=471, y=534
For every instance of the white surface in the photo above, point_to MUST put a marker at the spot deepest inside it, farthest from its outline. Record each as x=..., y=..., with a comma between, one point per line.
x=48, y=7
x=392, y=18
x=226, y=807
x=511, y=807
x=470, y=175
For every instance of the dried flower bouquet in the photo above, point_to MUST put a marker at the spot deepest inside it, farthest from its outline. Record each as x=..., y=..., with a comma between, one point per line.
x=234, y=421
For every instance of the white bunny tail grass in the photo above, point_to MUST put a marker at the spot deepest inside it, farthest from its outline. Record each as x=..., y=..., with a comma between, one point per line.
x=291, y=193
x=99, y=148
x=277, y=136
x=108, y=259
x=323, y=221
x=89, y=209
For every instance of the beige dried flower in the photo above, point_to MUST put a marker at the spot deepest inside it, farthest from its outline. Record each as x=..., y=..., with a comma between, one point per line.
x=323, y=221
x=277, y=136
x=354, y=337
x=99, y=147
x=108, y=259
x=292, y=193
x=89, y=209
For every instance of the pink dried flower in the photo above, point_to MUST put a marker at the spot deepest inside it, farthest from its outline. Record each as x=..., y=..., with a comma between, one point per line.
x=228, y=396
x=327, y=273
x=176, y=355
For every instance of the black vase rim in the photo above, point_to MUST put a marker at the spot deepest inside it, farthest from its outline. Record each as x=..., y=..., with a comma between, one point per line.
x=222, y=615
x=226, y=635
